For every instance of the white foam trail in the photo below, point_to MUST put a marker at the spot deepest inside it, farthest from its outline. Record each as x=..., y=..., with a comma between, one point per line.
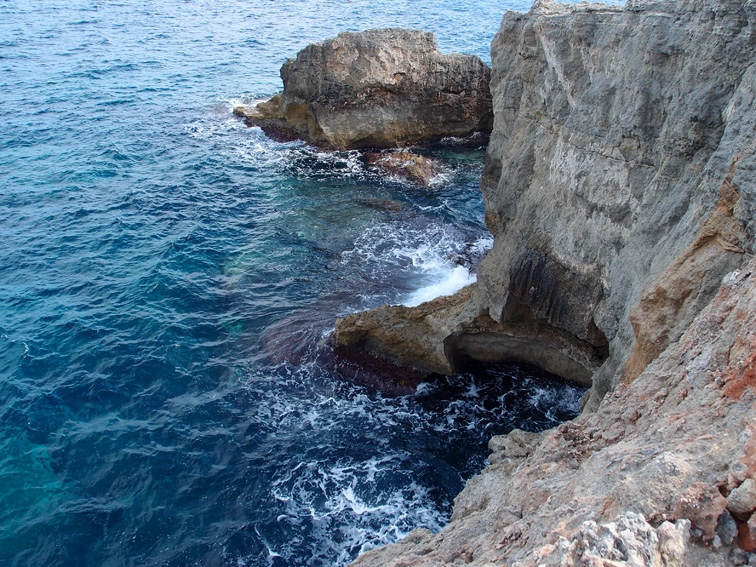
x=454, y=280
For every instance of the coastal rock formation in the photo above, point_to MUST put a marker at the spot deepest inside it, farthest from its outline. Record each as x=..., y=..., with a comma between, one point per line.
x=618, y=182
x=406, y=166
x=377, y=89
x=648, y=479
x=618, y=186
x=441, y=335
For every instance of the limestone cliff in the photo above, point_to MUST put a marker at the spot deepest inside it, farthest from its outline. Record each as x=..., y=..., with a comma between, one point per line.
x=620, y=189
x=661, y=475
x=618, y=182
x=617, y=186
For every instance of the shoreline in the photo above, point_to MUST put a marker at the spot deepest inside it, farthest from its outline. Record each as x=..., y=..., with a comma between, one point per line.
x=623, y=237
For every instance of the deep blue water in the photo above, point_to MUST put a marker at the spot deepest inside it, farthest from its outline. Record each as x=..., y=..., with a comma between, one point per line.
x=166, y=275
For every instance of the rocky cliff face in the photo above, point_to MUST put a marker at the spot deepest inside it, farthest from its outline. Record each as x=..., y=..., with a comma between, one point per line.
x=618, y=179
x=620, y=189
x=617, y=185
x=661, y=475
x=375, y=89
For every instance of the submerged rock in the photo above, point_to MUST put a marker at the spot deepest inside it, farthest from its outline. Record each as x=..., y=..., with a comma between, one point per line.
x=414, y=168
x=377, y=89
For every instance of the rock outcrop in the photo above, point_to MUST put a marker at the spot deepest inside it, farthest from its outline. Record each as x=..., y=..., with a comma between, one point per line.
x=661, y=475
x=620, y=186
x=377, y=89
x=406, y=166
x=440, y=336
x=618, y=182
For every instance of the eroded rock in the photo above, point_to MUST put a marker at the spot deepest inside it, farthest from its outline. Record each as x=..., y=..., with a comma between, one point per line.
x=618, y=183
x=662, y=447
x=630, y=541
x=602, y=167
x=619, y=187
x=742, y=500
x=377, y=89
x=702, y=504
x=441, y=335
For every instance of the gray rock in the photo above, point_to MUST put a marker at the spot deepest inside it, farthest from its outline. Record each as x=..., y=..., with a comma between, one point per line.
x=630, y=541
x=619, y=162
x=742, y=500
x=377, y=88
x=727, y=529
x=414, y=168
x=619, y=186
x=738, y=557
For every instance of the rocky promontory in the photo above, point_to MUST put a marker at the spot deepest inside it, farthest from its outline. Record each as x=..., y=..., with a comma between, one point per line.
x=620, y=186
x=377, y=89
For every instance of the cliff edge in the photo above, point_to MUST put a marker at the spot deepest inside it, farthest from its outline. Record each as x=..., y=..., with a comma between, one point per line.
x=620, y=189
x=661, y=475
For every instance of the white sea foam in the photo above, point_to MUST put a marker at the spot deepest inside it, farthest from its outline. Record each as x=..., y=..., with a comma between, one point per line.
x=455, y=279
x=416, y=263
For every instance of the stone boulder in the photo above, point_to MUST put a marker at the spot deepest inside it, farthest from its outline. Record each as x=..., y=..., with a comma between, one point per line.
x=377, y=89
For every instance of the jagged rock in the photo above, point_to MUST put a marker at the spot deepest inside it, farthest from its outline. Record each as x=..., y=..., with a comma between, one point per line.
x=515, y=444
x=508, y=453
x=377, y=88
x=628, y=542
x=747, y=535
x=681, y=427
x=399, y=334
x=621, y=172
x=702, y=504
x=727, y=529
x=618, y=180
x=440, y=335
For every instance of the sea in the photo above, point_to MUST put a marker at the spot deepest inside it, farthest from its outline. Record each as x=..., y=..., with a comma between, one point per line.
x=169, y=278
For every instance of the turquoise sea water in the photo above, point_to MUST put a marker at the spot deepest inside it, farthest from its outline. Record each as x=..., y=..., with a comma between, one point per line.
x=166, y=275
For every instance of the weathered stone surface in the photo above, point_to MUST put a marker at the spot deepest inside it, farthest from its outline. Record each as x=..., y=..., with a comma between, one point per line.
x=508, y=453
x=747, y=535
x=742, y=500
x=601, y=160
x=703, y=505
x=629, y=542
x=676, y=433
x=619, y=179
x=412, y=337
x=377, y=88
x=727, y=528
x=620, y=188
x=440, y=335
